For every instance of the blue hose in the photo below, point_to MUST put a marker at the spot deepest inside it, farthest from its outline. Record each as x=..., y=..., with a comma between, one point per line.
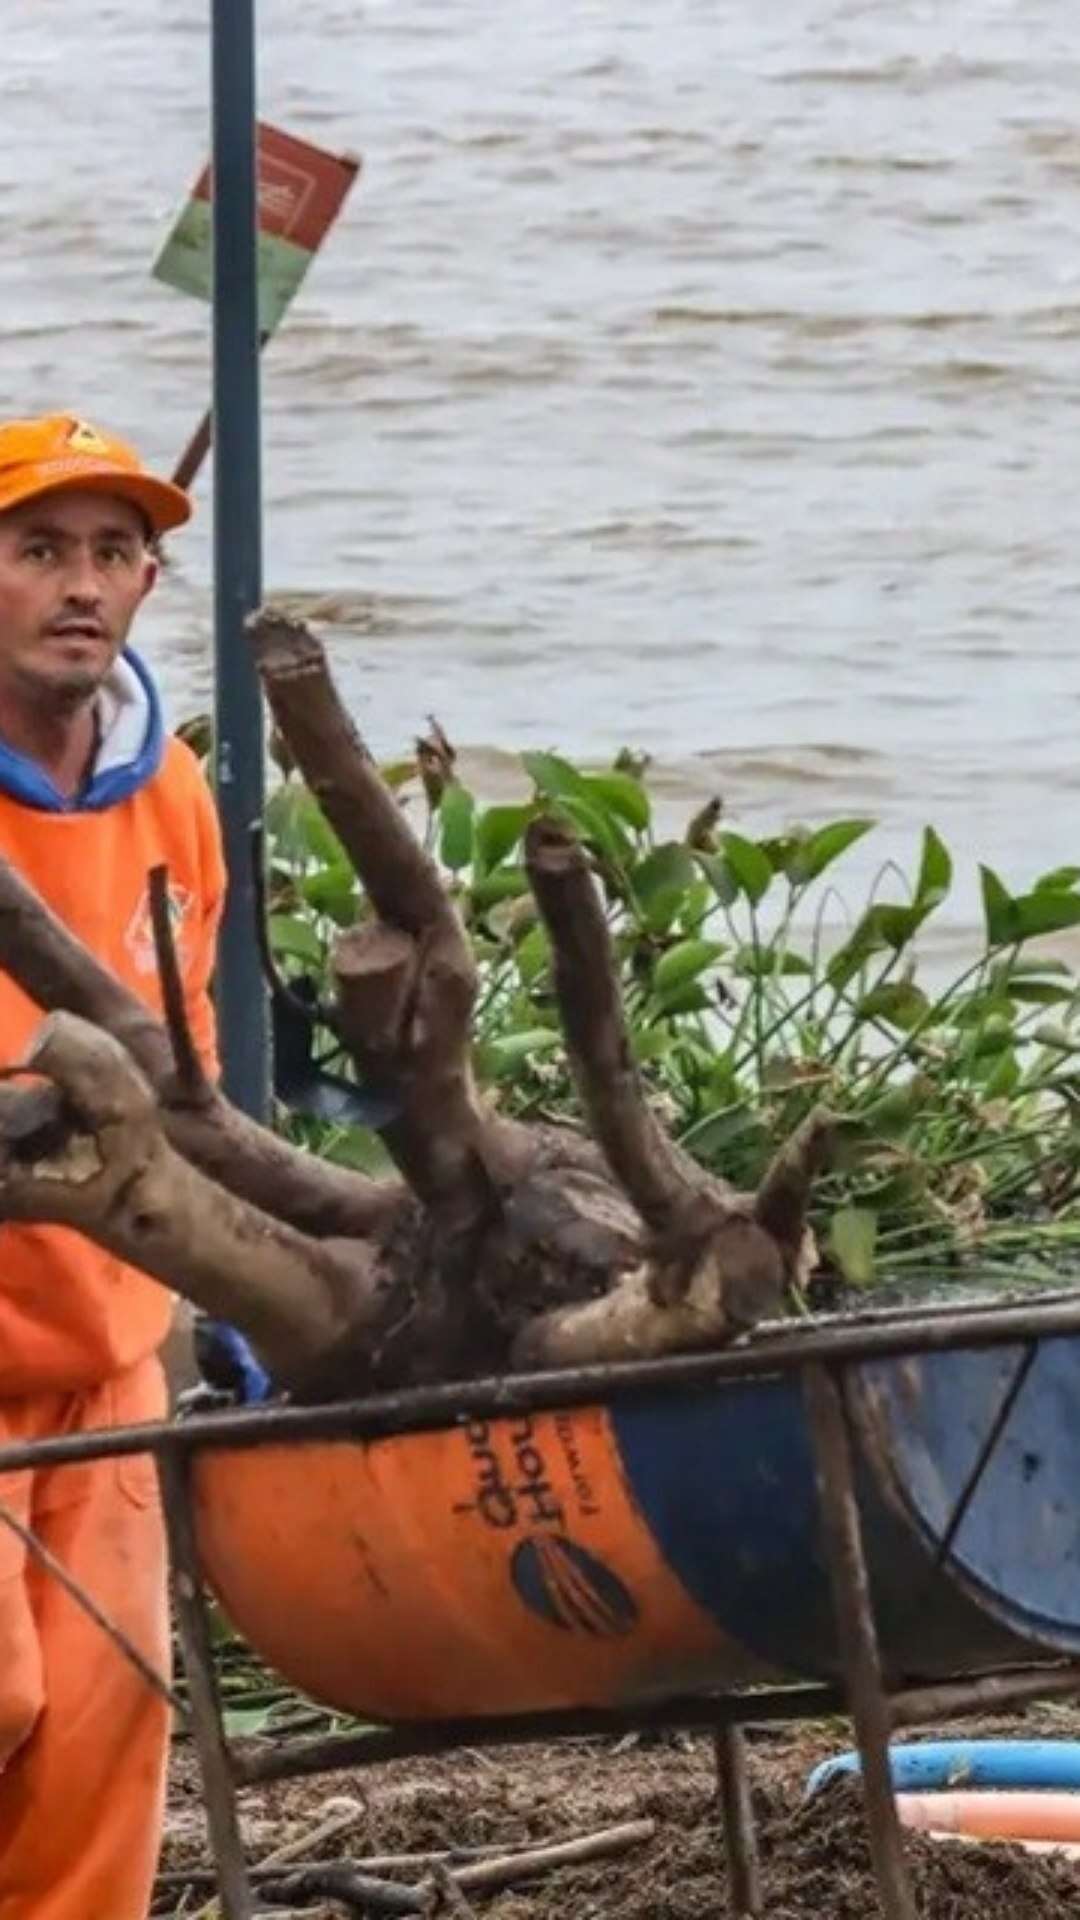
x=942, y=1764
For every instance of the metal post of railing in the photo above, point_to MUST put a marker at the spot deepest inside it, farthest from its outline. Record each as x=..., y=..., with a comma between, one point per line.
x=239, y=739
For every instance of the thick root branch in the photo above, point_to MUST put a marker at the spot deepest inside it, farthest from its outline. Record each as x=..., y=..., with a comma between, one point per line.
x=104, y=1166
x=57, y=972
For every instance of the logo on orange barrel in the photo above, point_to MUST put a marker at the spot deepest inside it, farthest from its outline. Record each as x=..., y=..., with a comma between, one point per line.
x=570, y=1588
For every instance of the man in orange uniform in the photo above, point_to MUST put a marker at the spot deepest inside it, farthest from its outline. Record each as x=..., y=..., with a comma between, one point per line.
x=92, y=795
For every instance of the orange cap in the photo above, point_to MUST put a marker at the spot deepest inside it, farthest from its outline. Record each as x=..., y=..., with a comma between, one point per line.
x=61, y=451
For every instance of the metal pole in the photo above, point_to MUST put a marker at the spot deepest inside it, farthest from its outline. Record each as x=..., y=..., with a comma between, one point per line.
x=746, y=1898
x=857, y=1636
x=243, y=1014
x=219, y=1786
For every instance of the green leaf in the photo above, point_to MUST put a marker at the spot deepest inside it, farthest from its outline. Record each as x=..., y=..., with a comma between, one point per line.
x=1004, y=1077
x=623, y=794
x=295, y=938
x=684, y=962
x=820, y=849
x=898, y=925
x=552, y=775
x=502, y=1058
x=998, y=909
x=696, y=907
x=1037, y=993
x=1058, y=1038
x=333, y=891
x=533, y=955
x=935, y=871
x=600, y=830
x=902, y=1004
x=1045, y=912
x=783, y=850
x=686, y=997
x=360, y=1149
x=768, y=963
x=720, y=877
x=456, y=810
x=881, y=927
x=852, y=1243
x=497, y=832
x=508, y=883
x=750, y=866
x=243, y=1723
x=661, y=881
x=1059, y=881
x=298, y=828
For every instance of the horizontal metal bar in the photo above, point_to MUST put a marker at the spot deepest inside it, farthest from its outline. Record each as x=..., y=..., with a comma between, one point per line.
x=413, y=1738
x=908, y=1707
x=777, y=1349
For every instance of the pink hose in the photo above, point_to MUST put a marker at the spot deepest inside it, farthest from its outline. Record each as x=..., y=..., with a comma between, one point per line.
x=994, y=1816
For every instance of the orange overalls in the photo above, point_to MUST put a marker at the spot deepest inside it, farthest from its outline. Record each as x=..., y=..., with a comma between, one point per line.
x=83, y=1739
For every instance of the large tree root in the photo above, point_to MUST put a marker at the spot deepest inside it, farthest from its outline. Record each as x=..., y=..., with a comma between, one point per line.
x=502, y=1246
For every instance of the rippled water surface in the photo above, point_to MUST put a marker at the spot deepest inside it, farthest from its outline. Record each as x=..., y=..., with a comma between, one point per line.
x=683, y=372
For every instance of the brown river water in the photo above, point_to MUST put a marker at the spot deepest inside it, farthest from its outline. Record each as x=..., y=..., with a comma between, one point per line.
x=685, y=373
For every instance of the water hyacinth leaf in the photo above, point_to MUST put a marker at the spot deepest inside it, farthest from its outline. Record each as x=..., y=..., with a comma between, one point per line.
x=901, y=1003
x=998, y=909
x=853, y=1243
x=496, y=833
x=769, y=963
x=552, y=775
x=818, y=850
x=880, y=928
x=456, y=809
x=397, y=773
x=898, y=925
x=689, y=997
x=996, y=1032
x=684, y=962
x=1046, y=912
x=1038, y=993
x=750, y=866
x=623, y=794
x=782, y=850
x=295, y=939
x=720, y=877
x=533, y=955
x=333, y=891
x=600, y=830
x=935, y=871
x=244, y=1723
x=718, y=1133
x=1050, y=1034
x=507, y=883
x=1060, y=880
x=696, y=907
x=660, y=882
x=299, y=829
x=507, y=1055
x=1004, y=1076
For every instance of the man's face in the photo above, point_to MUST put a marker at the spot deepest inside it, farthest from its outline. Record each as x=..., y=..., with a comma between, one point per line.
x=74, y=569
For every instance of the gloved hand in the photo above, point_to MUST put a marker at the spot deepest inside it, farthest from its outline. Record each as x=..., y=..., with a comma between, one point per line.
x=228, y=1364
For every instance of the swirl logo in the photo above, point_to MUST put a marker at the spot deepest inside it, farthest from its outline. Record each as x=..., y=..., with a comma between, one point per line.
x=570, y=1588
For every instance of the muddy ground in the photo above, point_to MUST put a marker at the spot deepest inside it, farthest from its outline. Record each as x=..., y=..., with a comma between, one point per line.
x=814, y=1856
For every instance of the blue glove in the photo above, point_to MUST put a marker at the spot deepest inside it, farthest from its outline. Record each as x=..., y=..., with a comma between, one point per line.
x=228, y=1364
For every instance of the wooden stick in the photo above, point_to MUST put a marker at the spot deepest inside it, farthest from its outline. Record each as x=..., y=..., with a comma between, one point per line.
x=156, y=1681
x=490, y=1876
x=190, y=1078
